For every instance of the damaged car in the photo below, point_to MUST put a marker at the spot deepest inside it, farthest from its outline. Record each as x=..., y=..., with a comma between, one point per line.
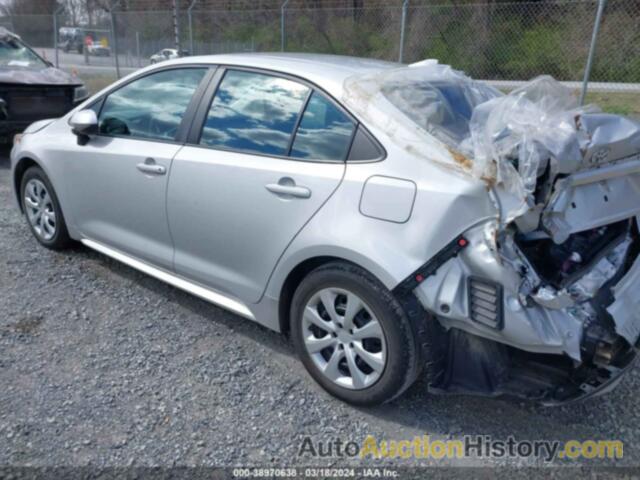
x=31, y=88
x=397, y=221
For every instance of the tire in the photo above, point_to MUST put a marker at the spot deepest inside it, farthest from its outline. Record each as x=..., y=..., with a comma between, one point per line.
x=398, y=346
x=51, y=230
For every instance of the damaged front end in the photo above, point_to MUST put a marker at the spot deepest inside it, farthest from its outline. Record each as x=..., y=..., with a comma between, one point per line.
x=542, y=301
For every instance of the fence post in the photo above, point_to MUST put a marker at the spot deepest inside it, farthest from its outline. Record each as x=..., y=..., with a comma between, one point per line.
x=282, y=32
x=138, y=49
x=55, y=32
x=592, y=50
x=176, y=24
x=114, y=35
x=193, y=4
x=403, y=24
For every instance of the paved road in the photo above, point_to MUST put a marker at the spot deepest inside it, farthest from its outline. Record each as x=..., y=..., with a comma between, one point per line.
x=102, y=365
x=74, y=59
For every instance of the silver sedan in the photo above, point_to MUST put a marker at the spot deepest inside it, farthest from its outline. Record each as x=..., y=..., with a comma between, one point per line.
x=396, y=221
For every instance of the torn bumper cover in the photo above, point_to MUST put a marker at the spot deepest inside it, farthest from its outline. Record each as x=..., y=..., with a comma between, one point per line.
x=542, y=301
x=509, y=331
x=567, y=183
x=625, y=309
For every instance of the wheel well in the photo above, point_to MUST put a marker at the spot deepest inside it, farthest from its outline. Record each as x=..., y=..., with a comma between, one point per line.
x=291, y=283
x=21, y=167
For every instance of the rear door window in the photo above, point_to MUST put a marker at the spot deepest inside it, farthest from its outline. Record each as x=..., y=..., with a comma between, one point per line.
x=151, y=107
x=324, y=133
x=254, y=112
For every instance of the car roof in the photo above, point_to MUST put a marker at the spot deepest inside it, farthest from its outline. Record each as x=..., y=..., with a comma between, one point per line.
x=326, y=71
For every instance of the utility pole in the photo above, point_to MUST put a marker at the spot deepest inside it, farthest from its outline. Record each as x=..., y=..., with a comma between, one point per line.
x=176, y=24
x=592, y=50
x=283, y=37
x=114, y=33
x=59, y=10
x=138, y=49
x=189, y=15
x=403, y=26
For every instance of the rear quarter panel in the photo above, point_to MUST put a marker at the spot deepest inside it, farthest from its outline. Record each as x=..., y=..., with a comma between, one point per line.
x=447, y=202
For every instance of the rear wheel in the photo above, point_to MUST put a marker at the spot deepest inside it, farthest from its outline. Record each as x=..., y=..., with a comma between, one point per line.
x=352, y=335
x=42, y=209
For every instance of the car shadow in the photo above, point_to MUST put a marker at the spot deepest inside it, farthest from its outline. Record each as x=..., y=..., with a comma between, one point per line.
x=417, y=410
x=195, y=305
x=5, y=161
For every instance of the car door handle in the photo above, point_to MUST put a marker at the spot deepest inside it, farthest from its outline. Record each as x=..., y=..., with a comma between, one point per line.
x=150, y=166
x=288, y=190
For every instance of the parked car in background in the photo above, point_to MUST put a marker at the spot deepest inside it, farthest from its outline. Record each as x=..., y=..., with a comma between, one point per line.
x=71, y=39
x=75, y=39
x=164, y=54
x=31, y=88
x=395, y=220
x=98, y=50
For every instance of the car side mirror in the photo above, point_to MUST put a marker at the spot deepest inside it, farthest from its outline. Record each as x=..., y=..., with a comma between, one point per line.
x=84, y=124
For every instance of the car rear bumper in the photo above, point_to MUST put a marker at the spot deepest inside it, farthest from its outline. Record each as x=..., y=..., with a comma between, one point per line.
x=499, y=342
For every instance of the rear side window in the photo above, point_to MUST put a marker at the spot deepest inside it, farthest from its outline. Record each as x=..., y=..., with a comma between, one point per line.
x=151, y=107
x=254, y=112
x=324, y=133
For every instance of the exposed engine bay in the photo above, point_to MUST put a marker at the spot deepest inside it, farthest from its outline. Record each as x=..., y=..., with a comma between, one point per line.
x=542, y=301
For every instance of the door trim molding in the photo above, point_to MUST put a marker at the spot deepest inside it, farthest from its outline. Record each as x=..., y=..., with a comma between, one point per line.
x=207, y=294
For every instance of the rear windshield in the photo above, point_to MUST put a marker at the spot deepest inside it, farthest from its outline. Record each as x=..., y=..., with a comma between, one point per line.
x=437, y=99
x=15, y=54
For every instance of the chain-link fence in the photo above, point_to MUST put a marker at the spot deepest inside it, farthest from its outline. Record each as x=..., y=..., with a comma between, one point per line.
x=505, y=43
x=365, y=32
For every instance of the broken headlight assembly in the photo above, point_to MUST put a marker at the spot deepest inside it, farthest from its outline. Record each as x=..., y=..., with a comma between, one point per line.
x=80, y=93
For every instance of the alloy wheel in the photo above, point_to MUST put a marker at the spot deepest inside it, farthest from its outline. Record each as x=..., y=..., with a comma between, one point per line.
x=344, y=338
x=39, y=207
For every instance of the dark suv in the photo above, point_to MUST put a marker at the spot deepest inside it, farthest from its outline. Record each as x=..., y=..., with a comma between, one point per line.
x=31, y=88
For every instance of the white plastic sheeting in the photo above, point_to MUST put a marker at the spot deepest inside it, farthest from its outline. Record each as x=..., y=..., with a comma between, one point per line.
x=509, y=141
x=514, y=137
x=437, y=100
x=540, y=128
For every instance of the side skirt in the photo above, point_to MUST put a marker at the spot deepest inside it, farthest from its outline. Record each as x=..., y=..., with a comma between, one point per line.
x=208, y=294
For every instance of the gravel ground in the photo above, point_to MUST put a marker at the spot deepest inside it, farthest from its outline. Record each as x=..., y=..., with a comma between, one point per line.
x=101, y=365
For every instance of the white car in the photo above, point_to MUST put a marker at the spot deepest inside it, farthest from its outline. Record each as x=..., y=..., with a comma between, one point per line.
x=98, y=50
x=164, y=54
